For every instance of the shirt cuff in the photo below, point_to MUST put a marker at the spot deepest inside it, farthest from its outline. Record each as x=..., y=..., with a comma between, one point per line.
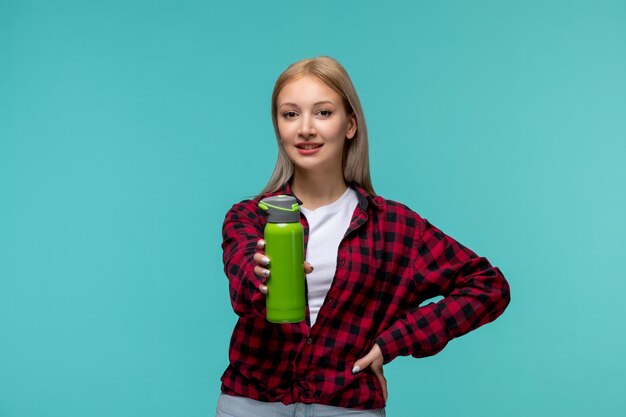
x=419, y=333
x=391, y=344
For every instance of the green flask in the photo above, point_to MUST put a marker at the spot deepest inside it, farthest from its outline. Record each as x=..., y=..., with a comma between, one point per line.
x=284, y=245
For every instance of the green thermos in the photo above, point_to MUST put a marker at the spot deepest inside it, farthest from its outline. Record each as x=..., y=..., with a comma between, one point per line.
x=284, y=245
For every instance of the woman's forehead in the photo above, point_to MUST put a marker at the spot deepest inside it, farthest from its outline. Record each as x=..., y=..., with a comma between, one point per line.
x=307, y=90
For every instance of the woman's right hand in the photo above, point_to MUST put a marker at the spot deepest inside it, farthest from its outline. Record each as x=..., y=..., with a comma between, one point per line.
x=263, y=262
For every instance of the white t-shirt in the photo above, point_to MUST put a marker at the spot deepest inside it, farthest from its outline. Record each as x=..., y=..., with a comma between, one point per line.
x=327, y=226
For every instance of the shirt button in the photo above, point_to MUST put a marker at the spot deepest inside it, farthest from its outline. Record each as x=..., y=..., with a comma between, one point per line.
x=309, y=340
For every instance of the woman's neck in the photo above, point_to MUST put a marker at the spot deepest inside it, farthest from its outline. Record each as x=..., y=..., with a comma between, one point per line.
x=317, y=190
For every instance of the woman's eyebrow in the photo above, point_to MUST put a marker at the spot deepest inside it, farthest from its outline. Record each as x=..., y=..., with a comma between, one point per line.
x=315, y=104
x=324, y=102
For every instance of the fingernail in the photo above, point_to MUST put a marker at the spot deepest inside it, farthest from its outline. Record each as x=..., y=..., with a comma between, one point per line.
x=263, y=288
x=261, y=243
x=266, y=272
x=265, y=260
x=356, y=369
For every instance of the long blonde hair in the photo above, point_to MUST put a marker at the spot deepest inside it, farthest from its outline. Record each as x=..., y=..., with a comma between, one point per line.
x=356, y=166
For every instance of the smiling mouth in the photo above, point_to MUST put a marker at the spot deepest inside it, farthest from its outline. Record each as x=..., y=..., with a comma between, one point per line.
x=308, y=146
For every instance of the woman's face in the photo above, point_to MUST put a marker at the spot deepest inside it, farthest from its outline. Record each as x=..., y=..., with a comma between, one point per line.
x=313, y=124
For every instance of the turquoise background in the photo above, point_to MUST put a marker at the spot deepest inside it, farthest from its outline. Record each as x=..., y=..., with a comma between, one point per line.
x=128, y=129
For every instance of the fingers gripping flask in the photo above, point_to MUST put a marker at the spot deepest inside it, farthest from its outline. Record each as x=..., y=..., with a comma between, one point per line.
x=284, y=245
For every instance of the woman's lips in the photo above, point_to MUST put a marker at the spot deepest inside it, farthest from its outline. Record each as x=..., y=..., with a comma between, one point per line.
x=307, y=149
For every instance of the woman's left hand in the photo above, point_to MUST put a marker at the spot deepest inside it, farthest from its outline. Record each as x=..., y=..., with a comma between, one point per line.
x=373, y=359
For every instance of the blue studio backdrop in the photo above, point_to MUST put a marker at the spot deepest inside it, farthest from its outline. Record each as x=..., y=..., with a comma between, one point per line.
x=129, y=128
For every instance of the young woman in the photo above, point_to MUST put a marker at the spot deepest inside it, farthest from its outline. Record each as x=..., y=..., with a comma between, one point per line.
x=370, y=264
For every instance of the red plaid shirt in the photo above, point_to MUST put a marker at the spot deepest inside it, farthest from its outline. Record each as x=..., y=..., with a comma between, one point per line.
x=389, y=261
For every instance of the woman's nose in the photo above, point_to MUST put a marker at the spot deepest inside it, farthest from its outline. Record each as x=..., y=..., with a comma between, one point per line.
x=306, y=127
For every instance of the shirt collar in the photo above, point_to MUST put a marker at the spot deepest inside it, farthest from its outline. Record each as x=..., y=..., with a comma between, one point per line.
x=362, y=195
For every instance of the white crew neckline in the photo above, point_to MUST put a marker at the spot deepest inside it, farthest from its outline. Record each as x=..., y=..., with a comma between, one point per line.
x=331, y=207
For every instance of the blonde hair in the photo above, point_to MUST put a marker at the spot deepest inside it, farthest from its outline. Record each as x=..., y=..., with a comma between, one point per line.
x=355, y=154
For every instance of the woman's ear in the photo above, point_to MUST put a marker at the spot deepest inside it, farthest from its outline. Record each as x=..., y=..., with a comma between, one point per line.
x=352, y=126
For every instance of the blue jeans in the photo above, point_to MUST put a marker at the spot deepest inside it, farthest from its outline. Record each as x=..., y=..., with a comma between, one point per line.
x=229, y=406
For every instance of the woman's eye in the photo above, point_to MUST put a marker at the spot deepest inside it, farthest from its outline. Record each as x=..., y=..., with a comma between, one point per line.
x=289, y=114
x=325, y=113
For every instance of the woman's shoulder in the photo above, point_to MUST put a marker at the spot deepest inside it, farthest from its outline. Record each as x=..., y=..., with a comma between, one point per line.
x=393, y=206
x=391, y=211
x=248, y=207
x=395, y=211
